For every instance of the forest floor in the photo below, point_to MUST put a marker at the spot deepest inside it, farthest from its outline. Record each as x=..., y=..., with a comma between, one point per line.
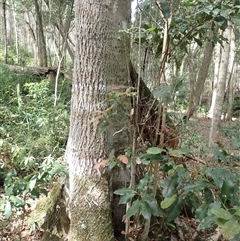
x=196, y=132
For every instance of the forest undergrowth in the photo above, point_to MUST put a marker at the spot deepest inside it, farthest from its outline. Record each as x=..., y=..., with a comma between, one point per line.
x=33, y=136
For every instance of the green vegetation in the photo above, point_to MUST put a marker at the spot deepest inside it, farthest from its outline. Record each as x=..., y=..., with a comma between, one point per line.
x=33, y=136
x=205, y=189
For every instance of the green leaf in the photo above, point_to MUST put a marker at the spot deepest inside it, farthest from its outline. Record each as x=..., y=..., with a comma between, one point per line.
x=178, y=85
x=198, y=41
x=219, y=155
x=175, y=209
x=230, y=229
x=207, y=222
x=220, y=222
x=197, y=185
x=222, y=213
x=8, y=210
x=228, y=189
x=167, y=202
x=17, y=201
x=154, y=150
x=143, y=183
x=32, y=183
x=169, y=186
x=153, y=28
x=153, y=204
x=218, y=175
x=201, y=212
x=145, y=210
x=135, y=207
x=237, y=212
x=126, y=198
x=165, y=91
x=124, y=191
x=111, y=164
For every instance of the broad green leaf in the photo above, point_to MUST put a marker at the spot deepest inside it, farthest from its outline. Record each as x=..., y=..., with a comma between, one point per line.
x=154, y=150
x=228, y=189
x=180, y=151
x=135, y=207
x=207, y=222
x=145, y=210
x=153, y=28
x=111, y=164
x=222, y=213
x=167, y=202
x=8, y=210
x=126, y=198
x=237, y=212
x=169, y=186
x=17, y=201
x=198, y=185
x=35, y=193
x=178, y=85
x=198, y=41
x=148, y=197
x=219, y=155
x=174, y=210
x=230, y=229
x=153, y=204
x=218, y=175
x=143, y=183
x=124, y=191
x=220, y=222
x=32, y=183
x=201, y=212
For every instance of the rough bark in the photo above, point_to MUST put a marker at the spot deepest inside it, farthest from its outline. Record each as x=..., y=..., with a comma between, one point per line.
x=101, y=61
x=221, y=85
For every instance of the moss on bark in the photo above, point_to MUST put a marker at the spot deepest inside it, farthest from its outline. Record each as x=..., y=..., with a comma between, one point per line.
x=90, y=210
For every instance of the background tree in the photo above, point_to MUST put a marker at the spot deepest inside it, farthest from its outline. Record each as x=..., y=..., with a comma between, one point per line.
x=221, y=85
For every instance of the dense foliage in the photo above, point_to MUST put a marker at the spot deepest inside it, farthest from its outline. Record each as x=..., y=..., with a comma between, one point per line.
x=33, y=135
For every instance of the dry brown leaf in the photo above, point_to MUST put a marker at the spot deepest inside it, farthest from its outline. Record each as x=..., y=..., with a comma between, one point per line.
x=123, y=159
x=103, y=163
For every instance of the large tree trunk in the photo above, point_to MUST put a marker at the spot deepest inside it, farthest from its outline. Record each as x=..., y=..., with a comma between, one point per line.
x=221, y=85
x=101, y=61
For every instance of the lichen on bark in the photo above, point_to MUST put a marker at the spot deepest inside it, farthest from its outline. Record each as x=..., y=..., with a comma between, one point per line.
x=90, y=205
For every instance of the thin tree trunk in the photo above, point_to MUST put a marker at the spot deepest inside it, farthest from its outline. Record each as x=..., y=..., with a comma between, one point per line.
x=231, y=77
x=202, y=75
x=5, y=32
x=221, y=85
x=215, y=79
x=41, y=43
x=16, y=31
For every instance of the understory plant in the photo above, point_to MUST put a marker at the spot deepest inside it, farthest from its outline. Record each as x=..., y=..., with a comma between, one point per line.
x=33, y=136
